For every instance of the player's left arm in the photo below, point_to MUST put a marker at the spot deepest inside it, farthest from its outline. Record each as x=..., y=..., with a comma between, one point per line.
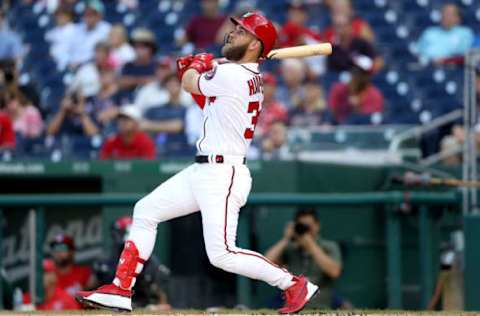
x=190, y=69
x=190, y=81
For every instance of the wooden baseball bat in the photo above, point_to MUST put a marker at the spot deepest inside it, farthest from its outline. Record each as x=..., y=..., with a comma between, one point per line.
x=455, y=182
x=301, y=51
x=411, y=178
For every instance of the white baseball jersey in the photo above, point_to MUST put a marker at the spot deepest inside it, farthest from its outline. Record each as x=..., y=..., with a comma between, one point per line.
x=234, y=100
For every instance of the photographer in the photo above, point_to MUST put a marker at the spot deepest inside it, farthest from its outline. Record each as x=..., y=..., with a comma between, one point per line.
x=303, y=251
x=72, y=118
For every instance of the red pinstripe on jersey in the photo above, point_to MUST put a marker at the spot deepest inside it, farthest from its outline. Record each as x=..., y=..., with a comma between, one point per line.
x=225, y=230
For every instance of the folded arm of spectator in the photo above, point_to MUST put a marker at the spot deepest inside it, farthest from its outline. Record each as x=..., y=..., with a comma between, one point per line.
x=168, y=126
x=108, y=115
x=129, y=82
x=88, y=126
x=56, y=123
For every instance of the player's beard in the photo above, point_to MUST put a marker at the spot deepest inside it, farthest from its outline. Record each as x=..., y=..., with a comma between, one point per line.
x=234, y=53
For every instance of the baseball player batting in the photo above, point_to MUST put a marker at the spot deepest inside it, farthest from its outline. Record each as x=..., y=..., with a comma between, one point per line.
x=218, y=183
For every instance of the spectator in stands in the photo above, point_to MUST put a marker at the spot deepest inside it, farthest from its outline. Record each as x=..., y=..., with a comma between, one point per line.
x=293, y=75
x=202, y=29
x=154, y=94
x=122, y=52
x=72, y=119
x=274, y=144
x=354, y=102
x=304, y=251
x=449, y=41
x=449, y=294
x=88, y=33
x=56, y=298
x=451, y=145
x=193, y=124
x=10, y=42
x=87, y=77
x=130, y=4
x=272, y=109
x=27, y=121
x=105, y=104
x=168, y=121
x=311, y=111
x=140, y=71
x=360, y=27
x=129, y=142
x=62, y=38
x=151, y=285
x=9, y=78
x=295, y=32
x=346, y=46
x=7, y=134
x=71, y=277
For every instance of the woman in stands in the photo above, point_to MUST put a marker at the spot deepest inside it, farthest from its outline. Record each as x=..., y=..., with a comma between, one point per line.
x=27, y=121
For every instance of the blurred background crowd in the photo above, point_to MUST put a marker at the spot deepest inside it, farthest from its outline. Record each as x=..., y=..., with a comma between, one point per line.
x=96, y=80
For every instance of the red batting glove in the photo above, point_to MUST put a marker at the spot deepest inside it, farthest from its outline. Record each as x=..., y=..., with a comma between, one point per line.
x=182, y=65
x=202, y=62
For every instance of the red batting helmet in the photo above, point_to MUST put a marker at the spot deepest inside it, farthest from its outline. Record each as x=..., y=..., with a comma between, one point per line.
x=260, y=27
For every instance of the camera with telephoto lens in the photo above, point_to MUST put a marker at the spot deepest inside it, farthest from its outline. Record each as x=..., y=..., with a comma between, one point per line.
x=7, y=68
x=300, y=228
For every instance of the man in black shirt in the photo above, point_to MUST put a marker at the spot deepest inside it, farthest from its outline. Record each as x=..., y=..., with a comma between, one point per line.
x=141, y=70
x=346, y=45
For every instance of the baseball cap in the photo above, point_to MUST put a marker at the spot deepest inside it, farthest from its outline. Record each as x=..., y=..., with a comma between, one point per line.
x=131, y=111
x=62, y=242
x=363, y=62
x=297, y=5
x=143, y=35
x=48, y=265
x=96, y=5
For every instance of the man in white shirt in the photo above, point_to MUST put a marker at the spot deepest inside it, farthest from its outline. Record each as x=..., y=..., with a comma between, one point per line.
x=62, y=38
x=219, y=182
x=154, y=94
x=87, y=78
x=88, y=33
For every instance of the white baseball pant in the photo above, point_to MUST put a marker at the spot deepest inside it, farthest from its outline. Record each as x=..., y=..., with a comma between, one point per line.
x=218, y=191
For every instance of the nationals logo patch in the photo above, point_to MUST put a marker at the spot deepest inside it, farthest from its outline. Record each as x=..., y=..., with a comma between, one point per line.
x=210, y=74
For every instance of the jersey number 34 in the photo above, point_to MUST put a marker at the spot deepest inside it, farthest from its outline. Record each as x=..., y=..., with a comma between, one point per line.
x=252, y=107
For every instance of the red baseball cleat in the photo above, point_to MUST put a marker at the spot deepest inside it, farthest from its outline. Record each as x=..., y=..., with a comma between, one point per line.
x=298, y=295
x=108, y=296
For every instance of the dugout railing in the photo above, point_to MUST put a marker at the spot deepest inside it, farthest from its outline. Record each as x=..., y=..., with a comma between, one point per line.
x=391, y=202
